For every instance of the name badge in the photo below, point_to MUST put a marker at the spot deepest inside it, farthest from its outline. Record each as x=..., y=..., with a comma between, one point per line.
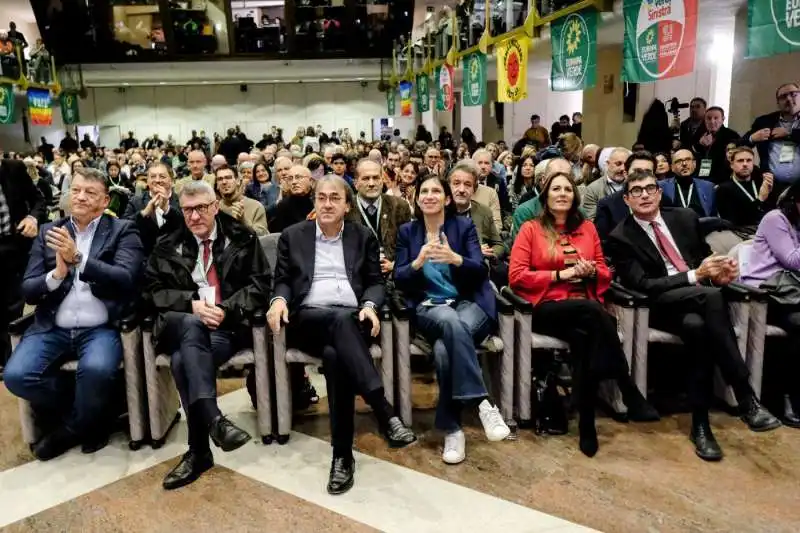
x=705, y=168
x=788, y=150
x=208, y=294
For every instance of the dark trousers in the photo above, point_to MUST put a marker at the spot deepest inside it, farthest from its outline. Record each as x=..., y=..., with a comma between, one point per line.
x=335, y=335
x=700, y=317
x=787, y=369
x=591, y=333
x=12, y=267
x=196, y=353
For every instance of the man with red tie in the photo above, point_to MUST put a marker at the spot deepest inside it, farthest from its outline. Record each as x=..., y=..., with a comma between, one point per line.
x=205, y=280
x=661, y=252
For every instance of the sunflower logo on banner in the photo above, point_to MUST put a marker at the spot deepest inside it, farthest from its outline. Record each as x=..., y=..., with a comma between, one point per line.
x=405, y=98
x=444, y=88
x=512, y=69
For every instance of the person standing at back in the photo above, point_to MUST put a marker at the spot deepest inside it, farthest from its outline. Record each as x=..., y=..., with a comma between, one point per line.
x=711, y=146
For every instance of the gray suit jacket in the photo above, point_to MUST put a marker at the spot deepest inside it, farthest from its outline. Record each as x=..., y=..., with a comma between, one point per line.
x=595, y=191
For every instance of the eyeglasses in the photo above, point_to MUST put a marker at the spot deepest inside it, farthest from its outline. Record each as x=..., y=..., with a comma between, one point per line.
x=682, y=161
x=637, y=191
x=200, y=209
x=296, y=177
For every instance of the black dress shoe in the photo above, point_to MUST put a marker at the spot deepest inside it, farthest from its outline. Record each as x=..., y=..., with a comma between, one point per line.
x=790, y=417
x=190, y=468
x=226, y=435
x=94, y=442
x=342, y=475
x=398, y=435
x=705, y=445
x=56, y=443
x=757, y=417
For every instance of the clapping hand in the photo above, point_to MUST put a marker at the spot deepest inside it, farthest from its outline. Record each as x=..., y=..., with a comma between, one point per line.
x=707, y=139
x=761, y=135
x=766, y=186
x=28, y=227
x=584, y=268
x=442, y=253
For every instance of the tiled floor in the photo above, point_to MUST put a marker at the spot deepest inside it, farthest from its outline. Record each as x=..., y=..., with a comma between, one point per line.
x=645, y=478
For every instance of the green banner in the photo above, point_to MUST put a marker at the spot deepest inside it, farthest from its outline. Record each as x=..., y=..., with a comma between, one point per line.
x=391, y=101
x=444, y=88
x=7, y=114
x=773, y=27
x=473, y=74
x=423, y=93
x=69, y=108
x=574, y=40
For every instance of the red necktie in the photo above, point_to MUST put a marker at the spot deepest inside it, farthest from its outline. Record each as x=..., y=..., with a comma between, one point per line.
x=211, y=272
x=668, y=250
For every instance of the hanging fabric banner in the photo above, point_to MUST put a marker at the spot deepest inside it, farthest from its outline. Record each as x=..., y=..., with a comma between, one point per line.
x=391, y=103
x=473, y=75
x=70, y=114
x=40, y=107
x=660, y=39
x=444, y=88
x=574, y=41
x=423, y=93
x=405, y=98
x=773, y=27
x=7, y=104
x=512, y=69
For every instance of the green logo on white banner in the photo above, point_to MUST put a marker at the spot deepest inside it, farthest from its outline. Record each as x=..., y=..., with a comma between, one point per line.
x=423, y=93
x=773, y=27
x=574, y=52
x=6, y=104
x=473, y=76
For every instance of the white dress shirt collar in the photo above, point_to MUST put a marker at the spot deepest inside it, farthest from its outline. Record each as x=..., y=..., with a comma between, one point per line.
x=211, y=237
x=321, y=236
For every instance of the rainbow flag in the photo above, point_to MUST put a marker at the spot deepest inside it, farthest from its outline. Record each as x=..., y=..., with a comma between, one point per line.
x=40, y=107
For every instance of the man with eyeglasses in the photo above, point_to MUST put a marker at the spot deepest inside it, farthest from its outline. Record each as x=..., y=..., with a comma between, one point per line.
x=433, y=162
x=688, y=128
x=612, y=210
x=686, y=190
x=205, y=280
x=661, y=253
x=298, y=205
x=328, y=282
x=81, y=275
x=776, y=136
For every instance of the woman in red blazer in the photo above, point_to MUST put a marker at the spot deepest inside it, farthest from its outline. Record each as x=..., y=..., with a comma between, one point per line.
x=557, y=264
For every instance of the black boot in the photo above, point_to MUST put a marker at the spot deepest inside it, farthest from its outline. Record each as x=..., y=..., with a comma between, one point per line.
x=639, y=410
x=705, y=445
x=756, y=416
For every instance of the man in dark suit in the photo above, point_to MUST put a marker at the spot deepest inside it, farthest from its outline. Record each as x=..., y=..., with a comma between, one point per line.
x=328, y=281
x=382, y=214
x=661, y=252
x=81, y=274
x=686, y=190
x=22, y=207
x=205, y=279
x=156, y=210
x=711, y=146
x=697, y=112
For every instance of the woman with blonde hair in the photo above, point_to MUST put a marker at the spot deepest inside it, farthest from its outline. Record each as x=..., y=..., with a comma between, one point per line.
x=571, y=148
x=557, y=264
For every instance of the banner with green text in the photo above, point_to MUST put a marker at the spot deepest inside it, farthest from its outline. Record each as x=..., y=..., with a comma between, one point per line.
x=70, y=113
x=473, y=79
x=7, y=112
x=40, y=107
x=444, y=88
x=423, y=93
x=660, y=39
x=773, y=27
x=574, y=41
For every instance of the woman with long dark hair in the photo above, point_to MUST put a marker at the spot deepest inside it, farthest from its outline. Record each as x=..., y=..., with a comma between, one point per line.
x=440, y=269
x=654, y=133
x=469, y=138
x=407, y=181
x=776, y=252
x=524, y=181
x=663, y=165
x=262, y=188
x=557, y=264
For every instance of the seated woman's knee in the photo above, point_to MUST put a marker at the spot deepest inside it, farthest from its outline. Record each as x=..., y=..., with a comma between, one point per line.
x=693, y=322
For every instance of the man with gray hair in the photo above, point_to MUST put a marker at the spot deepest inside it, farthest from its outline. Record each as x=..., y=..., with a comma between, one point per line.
x=613, y=181
x=81, y=274
x=197, y=171
x=205, y=279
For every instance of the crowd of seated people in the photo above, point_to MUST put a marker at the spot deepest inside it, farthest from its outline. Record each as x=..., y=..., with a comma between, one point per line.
x=175, y=230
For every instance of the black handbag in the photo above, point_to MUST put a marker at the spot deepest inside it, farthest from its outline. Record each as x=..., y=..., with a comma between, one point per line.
x=783, y=288
x=550, y=414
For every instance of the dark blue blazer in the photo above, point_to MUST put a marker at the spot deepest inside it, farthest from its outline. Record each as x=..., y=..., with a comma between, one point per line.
x=112, y=270
x=611, y=210
x=704, y=188
x=471, y=278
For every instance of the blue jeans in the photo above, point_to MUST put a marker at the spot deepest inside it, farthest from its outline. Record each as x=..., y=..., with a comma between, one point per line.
x=453, y=333
x=33, y=373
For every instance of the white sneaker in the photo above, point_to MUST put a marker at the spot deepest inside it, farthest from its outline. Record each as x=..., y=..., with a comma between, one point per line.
x=455, y=445
x=493, y=424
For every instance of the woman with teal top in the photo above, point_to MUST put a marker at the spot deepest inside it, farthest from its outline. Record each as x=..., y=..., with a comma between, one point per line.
x=440, y=270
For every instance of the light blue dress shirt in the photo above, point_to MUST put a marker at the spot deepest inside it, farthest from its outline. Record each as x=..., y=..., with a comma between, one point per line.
x=80, y=308
x=330, y=285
